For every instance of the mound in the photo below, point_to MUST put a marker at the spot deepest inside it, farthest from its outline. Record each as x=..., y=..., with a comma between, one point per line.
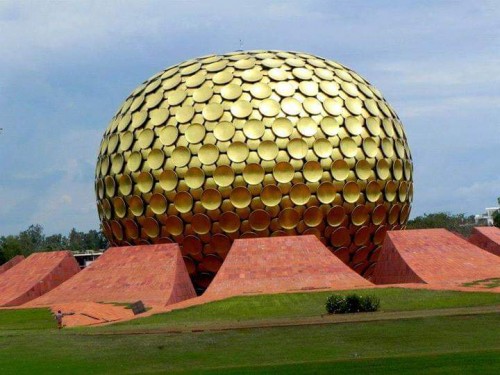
x=432, y=256
x=487, y=238
x=281, y=264
x=155, y=274
x=35, y=276
x=11, y=263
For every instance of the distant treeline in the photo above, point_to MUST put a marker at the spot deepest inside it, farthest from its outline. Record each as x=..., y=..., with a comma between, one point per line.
x=33, y=239
x=459, y=223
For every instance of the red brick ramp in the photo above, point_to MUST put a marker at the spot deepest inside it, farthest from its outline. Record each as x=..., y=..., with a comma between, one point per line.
x=280, y=265
x=487, y=238
x=432, y=256
x=11, y=263
x=154, y=274
x=35, y=276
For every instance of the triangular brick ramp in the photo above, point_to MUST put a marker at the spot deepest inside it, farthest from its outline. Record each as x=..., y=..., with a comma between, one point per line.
x=432, y=256
x=35, y=276
x=487, y=238
x=154, y=274
x=280, y=265
x=11, y=263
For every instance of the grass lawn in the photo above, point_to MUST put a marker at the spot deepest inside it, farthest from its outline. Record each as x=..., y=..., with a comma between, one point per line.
x=454, y=342
x=294, y=305
x=431, y=345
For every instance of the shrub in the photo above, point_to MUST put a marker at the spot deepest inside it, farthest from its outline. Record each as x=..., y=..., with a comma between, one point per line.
x=369, y=304
x=352, y=303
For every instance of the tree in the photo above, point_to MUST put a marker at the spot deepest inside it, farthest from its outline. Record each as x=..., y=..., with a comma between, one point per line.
x=32, y=239
x=55, y=242
x=455, y=222
x=10, y=246
x=496, y=216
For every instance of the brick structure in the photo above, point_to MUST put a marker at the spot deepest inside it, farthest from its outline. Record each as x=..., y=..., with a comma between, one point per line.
x=279, y=265
x=35, y=276
x=487, y=238
x=432, y=256
x=154, y=274
x=11, y=263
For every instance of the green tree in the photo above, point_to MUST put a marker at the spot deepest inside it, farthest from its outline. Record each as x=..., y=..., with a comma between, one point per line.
x=455, y=222
x=496, y=216
x=32, y=239
x=55, y=242
x=10, y=246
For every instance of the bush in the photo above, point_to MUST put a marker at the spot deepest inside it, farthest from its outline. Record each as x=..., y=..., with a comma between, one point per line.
x=352, y=303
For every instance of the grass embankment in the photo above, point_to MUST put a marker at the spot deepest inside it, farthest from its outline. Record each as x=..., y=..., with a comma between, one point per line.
x=457, y=344
x=298, y=305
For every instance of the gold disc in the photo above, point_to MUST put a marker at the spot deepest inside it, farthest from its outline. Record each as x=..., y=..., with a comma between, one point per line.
x=373, y=191
x=269, y=107
x=224, y=131
x=155, y=159
x=307, y=126
x=201, y=223
x=351, y=192
x=168, y=135
x=326, y=192
x=168, y=180
x=174, y=225
x=223, y=175
x=136, y=205
x=340, y=237
x=313, y=171
x=211, y=199
x=183, y=202
x=360, y=215
x=240, y=197
x=348, y=147
x=289, y=218
x=253, y=174
x=229, y=222
x=340, y=169
x=158, y=204
x=208, y=154
x=181, y=156
x=282, y=127
x=271, y=195
x=259, y=220
x=336, y=216
x=363, y=169
x=145, y=182
x=254, y=129
x=237, y=152
x=283, y=172
x=195, y=177
x=195, y=133
x=378, y=214
x=300, y=194
x=313, y=216
x=297, y=148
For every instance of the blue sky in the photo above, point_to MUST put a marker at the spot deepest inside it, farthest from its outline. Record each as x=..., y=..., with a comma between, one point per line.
x=65, y=67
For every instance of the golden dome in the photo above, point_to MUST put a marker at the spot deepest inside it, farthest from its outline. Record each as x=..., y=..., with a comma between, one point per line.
x=251, y=144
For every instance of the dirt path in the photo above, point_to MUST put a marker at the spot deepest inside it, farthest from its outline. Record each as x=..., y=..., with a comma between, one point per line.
x=304, y=321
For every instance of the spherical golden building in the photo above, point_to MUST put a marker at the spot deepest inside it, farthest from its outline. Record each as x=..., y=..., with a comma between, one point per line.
x=250, y=144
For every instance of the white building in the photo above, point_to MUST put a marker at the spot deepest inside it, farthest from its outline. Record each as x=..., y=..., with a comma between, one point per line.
x=487, y=217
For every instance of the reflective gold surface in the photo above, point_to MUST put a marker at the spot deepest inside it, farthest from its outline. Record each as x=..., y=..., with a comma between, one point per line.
x=254, y=144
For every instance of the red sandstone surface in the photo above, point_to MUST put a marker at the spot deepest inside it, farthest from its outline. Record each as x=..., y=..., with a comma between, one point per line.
x=35, y=276
x=154, y=274
x=280, y=265
x=433, y=256
x=11, y=263
x=487, y=238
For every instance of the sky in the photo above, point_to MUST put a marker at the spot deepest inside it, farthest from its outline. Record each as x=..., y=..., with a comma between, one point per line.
x=65, y=67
